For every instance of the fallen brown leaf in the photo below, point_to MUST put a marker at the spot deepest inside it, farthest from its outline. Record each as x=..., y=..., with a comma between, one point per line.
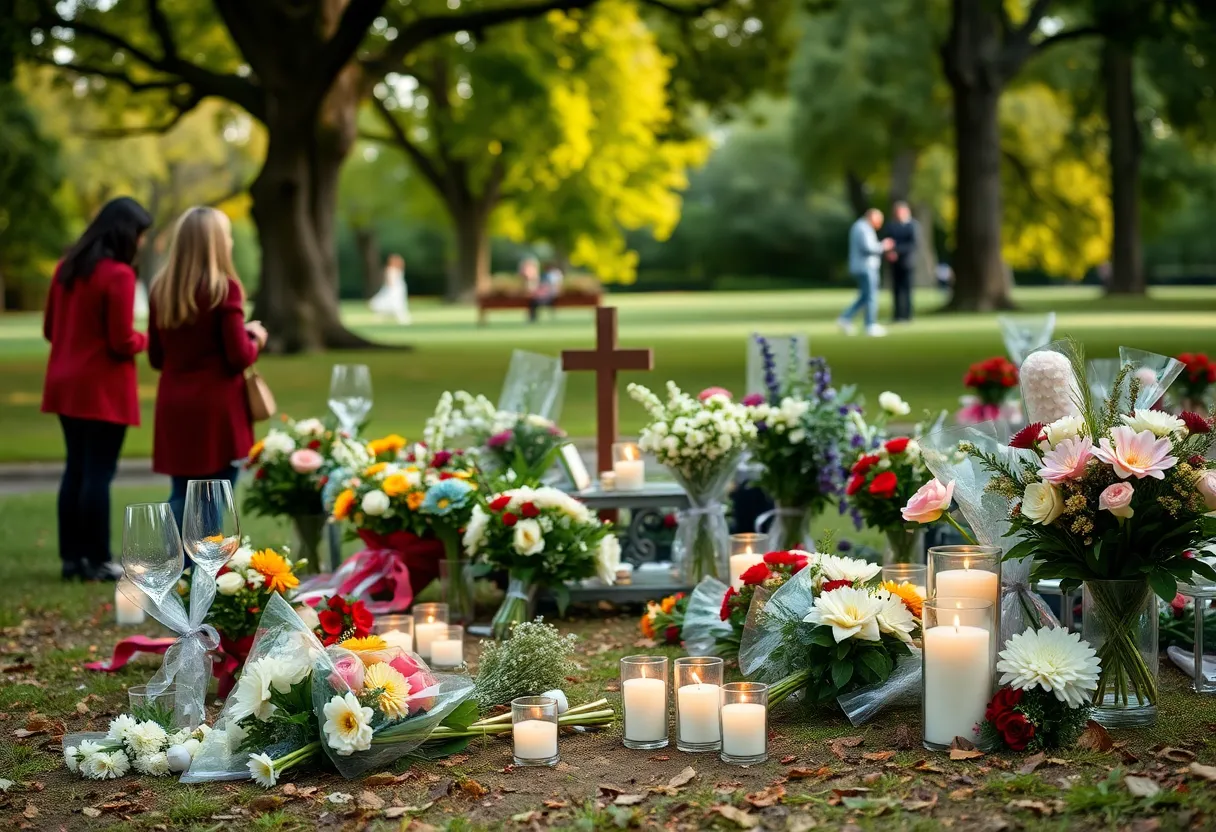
x=628, y=799
x=965, y=753
x=31, y=811
x=682, y=778
x=788, y=758
x=82, y=708
x=1141, y=786
x=961, y=794
x=401, y=811
x=769, y=796
x=556, y=804
x=472, y=788
x=265, y=803
x=384, y=778
x=838, y=745
x=608, y=790
x=920, y=802
x=1175, y=755
x=369, y=800
x=808, y=773
x=904, y=738
x=872, y=778
x=737, y=816
x=926, y=766
x=878, y=756
x=1031, y=763
x=1095, y=738
x=1037, y=806
x=962, y=743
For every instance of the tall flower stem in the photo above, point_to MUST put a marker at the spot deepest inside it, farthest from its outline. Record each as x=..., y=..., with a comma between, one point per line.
x=966, y=534
x=1125, y=675
x=779, y=691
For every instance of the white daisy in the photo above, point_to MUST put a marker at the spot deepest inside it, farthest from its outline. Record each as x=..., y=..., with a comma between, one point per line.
x=836, y=568
x=347, y=725
x=1158, y=422
x=894, y=617
x=261, y=767
x=1055, y=660
x=849, y=612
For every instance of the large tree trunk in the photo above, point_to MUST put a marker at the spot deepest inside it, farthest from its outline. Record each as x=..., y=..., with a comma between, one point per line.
x=368, y=243
x=903, y=166
x=470, y=272
x=1127, y=268
x=855, y=188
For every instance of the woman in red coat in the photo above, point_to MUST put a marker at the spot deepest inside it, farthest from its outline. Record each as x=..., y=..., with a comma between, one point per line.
x=90, y=378
x=198, y=338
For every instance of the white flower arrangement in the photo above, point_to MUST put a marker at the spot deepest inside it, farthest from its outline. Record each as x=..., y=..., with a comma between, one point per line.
x=689, y=435
x=1053, y=659
x=145, y=747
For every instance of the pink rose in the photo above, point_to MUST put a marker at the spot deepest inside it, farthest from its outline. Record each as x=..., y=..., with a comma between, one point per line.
x=928, y=503
x=405, y=665
x=753, y=400
x=305, y=461
x=499, y=440
x=1205, y=481
x=423, y=687
x=714, y=391
x=1117, y=499
x=348, y=670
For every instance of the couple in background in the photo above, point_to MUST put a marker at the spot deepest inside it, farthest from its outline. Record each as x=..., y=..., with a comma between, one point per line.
x=197, y=337
x=866, y=250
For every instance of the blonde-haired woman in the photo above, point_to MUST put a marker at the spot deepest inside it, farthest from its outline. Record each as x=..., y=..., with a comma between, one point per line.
x=200, y=341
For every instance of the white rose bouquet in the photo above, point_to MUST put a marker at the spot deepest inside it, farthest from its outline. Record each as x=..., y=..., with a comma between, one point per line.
x=539, y=536
x=701, y=441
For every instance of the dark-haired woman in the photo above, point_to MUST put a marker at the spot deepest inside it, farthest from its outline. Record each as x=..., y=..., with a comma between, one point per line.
x=90, y=378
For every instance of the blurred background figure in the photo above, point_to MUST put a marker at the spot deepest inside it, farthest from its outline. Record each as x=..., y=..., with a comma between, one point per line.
x=903, y=231
x=393, y=299
x=865, y=253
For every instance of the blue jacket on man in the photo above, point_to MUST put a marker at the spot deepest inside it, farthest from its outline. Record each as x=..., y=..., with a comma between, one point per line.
x=865, y=250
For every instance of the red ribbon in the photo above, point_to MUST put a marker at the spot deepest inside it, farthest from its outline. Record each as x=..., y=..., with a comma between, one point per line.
x=398, y=565
x=228, y=659
x=126, y=649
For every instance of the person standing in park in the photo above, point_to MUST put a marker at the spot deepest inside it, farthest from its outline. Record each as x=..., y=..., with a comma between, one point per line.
x=905, y=232
x=865, y=260
x=90, y=378
x=200, y=341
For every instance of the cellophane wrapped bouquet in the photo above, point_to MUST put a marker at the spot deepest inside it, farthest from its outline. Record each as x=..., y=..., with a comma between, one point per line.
x=804, y=442
x=830, y=630
x=517, y=449
x=1111, y=494
x=994, y=382
x=664, y=619
x=539, y=536
x=700, y=441
x=759, y=583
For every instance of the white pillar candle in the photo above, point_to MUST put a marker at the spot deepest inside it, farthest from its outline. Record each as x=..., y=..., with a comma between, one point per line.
x=535, y=739
x=958, y=681
x=447, y=652
x=743, y=729
x=740, y=564
x=126, y=611
x=425, y=635
x=629, y=474
x=698, y=710
x=396, y=638
x=645, y=702
x=979, y=584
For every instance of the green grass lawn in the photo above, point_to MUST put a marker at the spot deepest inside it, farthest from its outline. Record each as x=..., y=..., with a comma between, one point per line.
x=699, y=340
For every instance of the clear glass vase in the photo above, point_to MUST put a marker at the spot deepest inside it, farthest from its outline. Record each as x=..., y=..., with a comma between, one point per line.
x=701, y=548
x=456, y=581
x=307, y=531
x=516, y=608
x=1119, y=619
x=905, y=546
x=788, y=527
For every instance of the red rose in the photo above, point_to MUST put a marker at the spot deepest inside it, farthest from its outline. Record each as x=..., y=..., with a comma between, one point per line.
x=855, y=484
x=1017, y=732
x=897, y=445
x=331, y=622
x=314, y=445
x=1028, y=436
x=1003, y=702
x=783, y=558
x=884, y=485
x=509, y=519
x=672, y=635
x=529, y=510
x=755, y=574
x=361, y=616
x=441, y=459
x=864, y=464
x=670, y=521
x=337, y=602
x=499, y=503
x=730, y=593
x=831, y=585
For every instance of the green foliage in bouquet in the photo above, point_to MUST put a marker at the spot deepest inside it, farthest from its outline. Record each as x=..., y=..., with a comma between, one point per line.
x=1035, y=721
x=536, y=658
x=831, y=668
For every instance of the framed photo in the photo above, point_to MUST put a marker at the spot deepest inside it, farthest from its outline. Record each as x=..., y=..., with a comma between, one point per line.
x=575, y=470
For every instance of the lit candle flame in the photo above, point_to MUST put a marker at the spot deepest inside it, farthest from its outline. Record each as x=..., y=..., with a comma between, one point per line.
x=629, y=452
x=430, y=619
x=956, y=623
x=966, y=563
x=695, y=678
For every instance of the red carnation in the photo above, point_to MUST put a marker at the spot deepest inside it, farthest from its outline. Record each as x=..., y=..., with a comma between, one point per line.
x=331, y=622
x=783, y=558
x=529, y=510
x=337, y=602
x=1195, y=423
x=672, y=635
x=884, y=485
x=441, y=459
x=897, y=445
x=800, y=564
x=1017, y=732
x=1028, y=436
x=855, y=484
x=730, y=593
x=831, y=585
x=755, y=574
x=1002, y=703
x=865, y=464
x=499, y=503
x=314, y=445
x=361, y=616
x=509, y=519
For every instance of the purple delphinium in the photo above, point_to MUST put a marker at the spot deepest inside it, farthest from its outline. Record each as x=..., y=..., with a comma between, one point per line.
x=770, y=370
x=821, y=379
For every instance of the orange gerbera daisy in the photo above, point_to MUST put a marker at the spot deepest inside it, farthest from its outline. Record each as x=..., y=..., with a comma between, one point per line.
x=414, y=499
x=907, y=593
x=374, y=468
x=255, y=452
x=669, y=603
x=388, y=444
x=365, y=644
x=395, y=485
x=647, y=626
x=275, y=569
x=343, y=503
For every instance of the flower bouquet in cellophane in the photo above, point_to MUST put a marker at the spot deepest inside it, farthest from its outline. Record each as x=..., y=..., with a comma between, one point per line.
x=663, y=620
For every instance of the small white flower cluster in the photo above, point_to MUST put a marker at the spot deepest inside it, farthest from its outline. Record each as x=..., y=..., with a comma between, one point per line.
x=262, y=676
x=144, y=747
x=1053, y=659
x=785, y=418
x=687, y=434
x=459, y=415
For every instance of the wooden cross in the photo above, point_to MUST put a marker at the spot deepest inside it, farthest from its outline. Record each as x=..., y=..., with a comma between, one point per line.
x=605, y=360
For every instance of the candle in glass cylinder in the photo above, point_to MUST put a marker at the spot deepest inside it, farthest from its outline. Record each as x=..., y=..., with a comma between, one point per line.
x=968, y=583
x=427, y=632
x=745, y=553
x=126, y=611
x=628, y=467
x=535, y=739
x=743, y=729
x=396, y=638
x=957, y=680
x=447, y=650
x=698, y=713
x=644, y=699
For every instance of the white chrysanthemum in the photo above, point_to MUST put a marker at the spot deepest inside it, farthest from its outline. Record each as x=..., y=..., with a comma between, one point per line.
x=252, y=694
x=347, y=725
x=608, y=559
x=277, y=443
x=146, y=738
x=120, y=726
x=192, y=746
x=310, y=427
x=1055, y=660
x=1157, y=422
x=261, y=767
x=1066, y=427
x=71, y=758
x=836, y=568
x=156, y=765
x=893, y=404
x=1049, y=386
x=88, y=748
x=475, y=532
x=851, y=613
x=180, y=736
x=105, y=765
x=894, y=617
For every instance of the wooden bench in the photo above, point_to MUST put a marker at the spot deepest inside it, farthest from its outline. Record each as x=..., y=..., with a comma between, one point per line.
x=486, y=303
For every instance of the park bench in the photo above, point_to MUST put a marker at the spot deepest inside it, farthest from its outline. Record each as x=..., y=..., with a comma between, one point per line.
x=487, y=303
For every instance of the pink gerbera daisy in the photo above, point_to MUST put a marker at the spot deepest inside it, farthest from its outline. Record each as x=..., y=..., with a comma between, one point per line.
x=1067, y=460
x=1136, y=455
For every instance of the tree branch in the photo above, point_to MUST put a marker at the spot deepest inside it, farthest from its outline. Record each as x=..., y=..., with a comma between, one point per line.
x=398, y=137
x=164, y=32
x=1075, y=33
x=110, y=75
x=357, y=17
x=183, y=109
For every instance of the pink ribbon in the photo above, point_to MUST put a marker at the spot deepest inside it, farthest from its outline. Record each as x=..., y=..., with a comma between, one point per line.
x=126, y=649
x=358, y=576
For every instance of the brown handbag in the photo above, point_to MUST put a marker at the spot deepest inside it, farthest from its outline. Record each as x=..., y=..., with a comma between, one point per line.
x=261, y=400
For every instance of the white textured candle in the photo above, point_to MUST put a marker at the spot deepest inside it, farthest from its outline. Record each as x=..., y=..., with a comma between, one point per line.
x=535, y=739
x=425, y=634
x=958, y=681
x=630, y=474
x=645, y=702
x=126, y=611
x=979, y=584
x=740, y=564
x=698, y=711
x=396, y=638
x=743, y=729
x=447, y=652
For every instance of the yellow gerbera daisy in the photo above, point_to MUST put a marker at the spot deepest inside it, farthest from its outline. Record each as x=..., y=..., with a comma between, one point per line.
x=343, y=503
x=374, y=468
x=275, y=569
x=255, y=452
x=388, y=444
x=414, y=499
x=394, y=695
x=908, y=594
x=395, y=485
x=366, y=644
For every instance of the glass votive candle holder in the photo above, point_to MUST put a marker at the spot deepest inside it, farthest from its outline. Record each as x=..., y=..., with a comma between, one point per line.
x=644, y=701
x=698, y=684
x=746, y=550
x=916, y=574
x=744, y=715
x=628, y=467
x=967, y=571
x=145, y=705
x=396, y=630
x=534, y=730
x=447, y=651
x=430, y=623
x=127, y=613
x=957, y=668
